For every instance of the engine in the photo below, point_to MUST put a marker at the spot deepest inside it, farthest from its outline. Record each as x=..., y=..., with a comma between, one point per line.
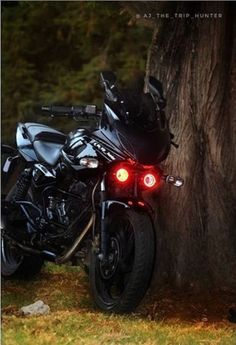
x=62, y=207
x=59, y=210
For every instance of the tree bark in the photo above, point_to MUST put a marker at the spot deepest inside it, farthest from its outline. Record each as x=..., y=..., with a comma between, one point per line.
x=195, y=60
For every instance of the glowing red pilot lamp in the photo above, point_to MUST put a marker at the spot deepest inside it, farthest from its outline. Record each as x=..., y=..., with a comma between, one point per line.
x=149, y=180
x=122, y=175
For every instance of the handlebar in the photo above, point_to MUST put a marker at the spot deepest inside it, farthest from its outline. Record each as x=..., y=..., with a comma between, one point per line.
x=72, y=111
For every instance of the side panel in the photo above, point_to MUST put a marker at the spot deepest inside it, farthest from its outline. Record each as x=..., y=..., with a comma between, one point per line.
x=24, y=145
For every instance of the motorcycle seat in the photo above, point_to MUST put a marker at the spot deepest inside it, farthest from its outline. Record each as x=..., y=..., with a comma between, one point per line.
x=47, y=142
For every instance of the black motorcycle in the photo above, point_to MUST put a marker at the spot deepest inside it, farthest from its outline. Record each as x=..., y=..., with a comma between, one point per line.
x=79, y=198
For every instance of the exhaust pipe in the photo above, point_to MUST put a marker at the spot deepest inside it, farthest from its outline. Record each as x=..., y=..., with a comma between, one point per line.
x=45, y=253
x=52, y=256
x=67, y=256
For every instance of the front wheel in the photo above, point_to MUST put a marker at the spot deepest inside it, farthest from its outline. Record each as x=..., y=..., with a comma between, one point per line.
x=119, y=284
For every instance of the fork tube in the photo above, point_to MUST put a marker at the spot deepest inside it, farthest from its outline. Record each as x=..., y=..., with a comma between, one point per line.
x=104, y=235
x=135, y=184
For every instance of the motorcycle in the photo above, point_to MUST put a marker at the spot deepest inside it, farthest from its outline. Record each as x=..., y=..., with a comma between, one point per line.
x=79, y=197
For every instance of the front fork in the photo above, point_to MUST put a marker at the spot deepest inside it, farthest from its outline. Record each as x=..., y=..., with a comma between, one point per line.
x=105, y=207
x=104, y=232
x=106, y=204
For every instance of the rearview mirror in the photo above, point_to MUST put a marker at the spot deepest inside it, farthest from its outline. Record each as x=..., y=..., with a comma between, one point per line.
x=155, y=87
x=156, y=90
x=108, y=78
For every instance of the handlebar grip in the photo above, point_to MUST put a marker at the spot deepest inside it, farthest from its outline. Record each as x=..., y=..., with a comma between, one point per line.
x=55, y=110
x=88, y=110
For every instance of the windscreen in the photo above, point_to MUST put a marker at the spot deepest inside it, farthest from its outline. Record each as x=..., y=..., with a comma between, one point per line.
x=136, y=108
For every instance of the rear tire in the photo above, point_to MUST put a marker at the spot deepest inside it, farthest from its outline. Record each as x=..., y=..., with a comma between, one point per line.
x=120, y=287
x=15, y=264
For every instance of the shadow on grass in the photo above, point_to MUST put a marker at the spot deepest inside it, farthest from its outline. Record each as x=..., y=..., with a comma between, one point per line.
x=65, y=288
x=210, y=307
x=61, y=287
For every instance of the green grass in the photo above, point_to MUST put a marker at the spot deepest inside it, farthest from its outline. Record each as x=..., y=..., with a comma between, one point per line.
x=73, y=320
x=71, y=327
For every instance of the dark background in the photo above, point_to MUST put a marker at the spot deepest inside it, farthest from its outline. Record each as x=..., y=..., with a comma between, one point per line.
x=53, y=52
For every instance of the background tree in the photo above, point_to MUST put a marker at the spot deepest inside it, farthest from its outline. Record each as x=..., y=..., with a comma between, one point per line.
x=195, y=59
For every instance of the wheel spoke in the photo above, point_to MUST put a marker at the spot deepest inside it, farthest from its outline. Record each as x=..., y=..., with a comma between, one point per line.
x=116, y=272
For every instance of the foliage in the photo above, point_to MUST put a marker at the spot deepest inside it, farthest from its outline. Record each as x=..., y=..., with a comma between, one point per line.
x=52, y=53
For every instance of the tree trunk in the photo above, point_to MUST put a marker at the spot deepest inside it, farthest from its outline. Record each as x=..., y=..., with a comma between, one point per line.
x=195, y=60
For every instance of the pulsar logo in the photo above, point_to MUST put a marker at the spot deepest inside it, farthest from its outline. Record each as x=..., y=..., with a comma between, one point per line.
x=103, y=150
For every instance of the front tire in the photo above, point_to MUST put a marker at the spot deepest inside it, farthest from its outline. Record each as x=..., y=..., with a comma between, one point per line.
x=119, y=284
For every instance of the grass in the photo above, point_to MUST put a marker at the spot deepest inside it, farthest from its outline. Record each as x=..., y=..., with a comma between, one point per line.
x=73, y=320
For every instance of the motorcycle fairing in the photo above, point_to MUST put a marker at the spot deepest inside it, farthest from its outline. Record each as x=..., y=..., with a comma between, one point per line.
x=37, y=142
x=146, y=147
